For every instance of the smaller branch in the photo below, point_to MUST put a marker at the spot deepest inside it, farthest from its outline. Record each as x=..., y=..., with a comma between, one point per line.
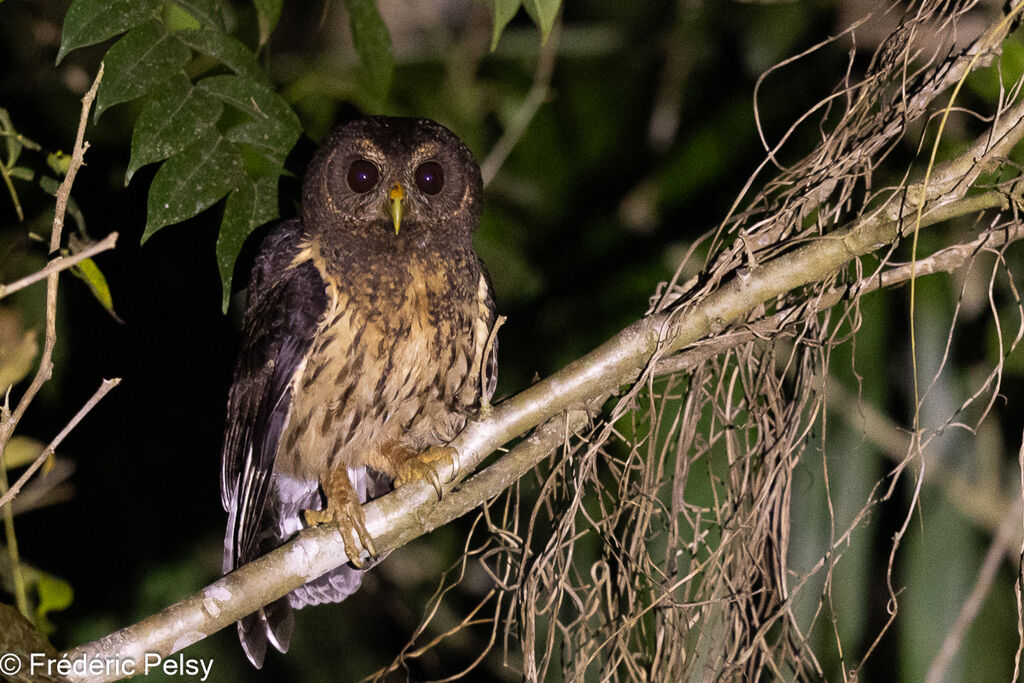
x=492, y=338
x=10, y=422
x=527, y=110
x=105, y=387
x=943, y=261
x=77, y=161
x=58, y=264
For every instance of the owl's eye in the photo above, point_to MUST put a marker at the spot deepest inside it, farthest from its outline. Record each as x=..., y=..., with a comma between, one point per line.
x=362, y=176
x=430, y=177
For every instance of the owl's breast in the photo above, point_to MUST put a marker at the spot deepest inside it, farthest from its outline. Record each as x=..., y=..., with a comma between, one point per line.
x=410, y=376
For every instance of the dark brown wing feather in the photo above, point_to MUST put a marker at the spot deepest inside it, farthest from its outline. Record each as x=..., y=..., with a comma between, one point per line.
x=284, y=307
x=282, y=314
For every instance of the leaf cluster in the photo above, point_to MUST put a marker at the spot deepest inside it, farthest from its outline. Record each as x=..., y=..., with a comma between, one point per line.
x=208, y=113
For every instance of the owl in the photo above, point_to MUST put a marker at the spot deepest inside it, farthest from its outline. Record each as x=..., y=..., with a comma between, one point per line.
x=365, y=348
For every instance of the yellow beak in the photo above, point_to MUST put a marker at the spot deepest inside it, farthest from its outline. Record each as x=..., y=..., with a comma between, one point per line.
x=395, y=197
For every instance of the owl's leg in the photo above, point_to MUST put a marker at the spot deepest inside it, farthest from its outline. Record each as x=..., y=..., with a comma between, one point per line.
x=345, y=510
x=405, y=464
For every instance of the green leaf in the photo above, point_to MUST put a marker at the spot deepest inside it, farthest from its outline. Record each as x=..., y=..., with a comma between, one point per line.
x=192, y=181
x=503, y=11
x=206, y=12
x=59, y=162
x=92, y=21
x=175, y=18
x=143, y=59
x=268, y=137
x=249, y=206
x=543, y=13
x=55, y=595
x=373, y=45
x=87, y=271
x=225, y=48
x=267, y=14
x=274, y=127
x=172, y=118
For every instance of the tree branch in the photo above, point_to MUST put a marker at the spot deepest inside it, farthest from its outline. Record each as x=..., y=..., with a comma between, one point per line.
x=105, y=387
x=413, y=510
x=60, y=263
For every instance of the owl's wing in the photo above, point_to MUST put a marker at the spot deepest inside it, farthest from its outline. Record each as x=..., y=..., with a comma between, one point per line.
x=285, y=305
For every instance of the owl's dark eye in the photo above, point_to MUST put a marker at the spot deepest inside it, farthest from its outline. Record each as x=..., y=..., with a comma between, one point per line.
x=430, y=177
x=362, y=176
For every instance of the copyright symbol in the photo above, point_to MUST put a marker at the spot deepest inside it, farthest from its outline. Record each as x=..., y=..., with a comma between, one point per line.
x=10, y=664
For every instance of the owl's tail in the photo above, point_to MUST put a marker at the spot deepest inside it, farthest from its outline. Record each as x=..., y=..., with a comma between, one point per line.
x=279, y=521
x=272, y=624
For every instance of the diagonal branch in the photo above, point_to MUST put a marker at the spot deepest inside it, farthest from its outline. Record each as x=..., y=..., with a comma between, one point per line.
x=60, y=263
x=413, y=510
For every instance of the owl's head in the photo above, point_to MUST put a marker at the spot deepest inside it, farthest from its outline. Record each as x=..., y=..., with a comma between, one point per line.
x=380, y=179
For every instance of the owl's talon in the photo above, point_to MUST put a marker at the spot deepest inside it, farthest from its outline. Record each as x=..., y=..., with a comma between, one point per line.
x=348, y=517
x=423, y=467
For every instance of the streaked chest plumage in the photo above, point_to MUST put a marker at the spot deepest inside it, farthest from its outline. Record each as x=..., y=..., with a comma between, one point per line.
x=374, y=380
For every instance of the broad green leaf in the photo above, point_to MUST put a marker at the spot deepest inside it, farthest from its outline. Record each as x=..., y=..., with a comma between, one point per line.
x=251, y=97
x=274, y=127
x=172, y=118
x=143, y=59
x=87, y=271
x=249, y=206
x=175, y=18
x=543, y=13
x=92, y=21
x=267, y=14
x=373, y=45
x=269, y=137
x=192, y=181
x=206, y=12
x=227, y=49
x=503, y=11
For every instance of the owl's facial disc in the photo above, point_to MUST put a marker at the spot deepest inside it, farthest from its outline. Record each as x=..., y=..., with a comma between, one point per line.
x=394, y=204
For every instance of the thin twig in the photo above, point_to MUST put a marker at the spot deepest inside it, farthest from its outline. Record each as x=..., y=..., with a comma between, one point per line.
x=105, y=387
x=527, y=110
x=60, y=263
x=9, y=421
